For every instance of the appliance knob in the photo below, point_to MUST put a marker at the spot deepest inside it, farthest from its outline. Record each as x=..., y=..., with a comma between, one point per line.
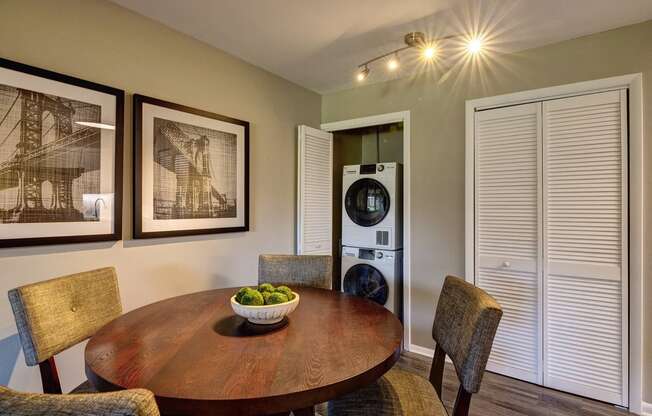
x=379, y=255
x=381, y=168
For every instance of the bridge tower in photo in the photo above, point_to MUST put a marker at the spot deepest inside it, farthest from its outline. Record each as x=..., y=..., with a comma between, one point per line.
x=57, y=161
x=189, y=159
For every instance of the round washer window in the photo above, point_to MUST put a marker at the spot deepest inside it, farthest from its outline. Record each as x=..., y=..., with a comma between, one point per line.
x=366, y=281
x=366, y=202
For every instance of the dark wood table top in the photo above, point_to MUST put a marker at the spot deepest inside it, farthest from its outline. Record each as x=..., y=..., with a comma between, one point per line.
x=194, y=353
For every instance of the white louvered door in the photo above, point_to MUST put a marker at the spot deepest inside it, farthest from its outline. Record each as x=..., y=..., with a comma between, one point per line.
x=315, y=192
x=585, y=245
x=507, y=233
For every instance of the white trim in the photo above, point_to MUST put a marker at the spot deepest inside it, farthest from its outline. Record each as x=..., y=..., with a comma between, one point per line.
x=375, y=120
x=417, y=349
x=560, y=91
x=646, y=409
x=427, y=352
x=401, y=116
x=634, y=83
x=636, y=249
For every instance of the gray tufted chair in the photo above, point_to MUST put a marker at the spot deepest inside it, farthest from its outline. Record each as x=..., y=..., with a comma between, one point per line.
x=465, y=324
x=292, y=270
x=53, y=315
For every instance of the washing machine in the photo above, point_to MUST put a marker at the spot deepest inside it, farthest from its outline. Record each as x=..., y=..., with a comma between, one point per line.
x=374, y=274
x=372, y=206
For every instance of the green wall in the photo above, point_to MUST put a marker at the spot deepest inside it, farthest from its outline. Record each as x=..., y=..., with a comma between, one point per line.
x=102, y=42
x=437, y=103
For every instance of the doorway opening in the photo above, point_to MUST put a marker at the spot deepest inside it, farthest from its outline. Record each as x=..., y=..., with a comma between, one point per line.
x=367, y=145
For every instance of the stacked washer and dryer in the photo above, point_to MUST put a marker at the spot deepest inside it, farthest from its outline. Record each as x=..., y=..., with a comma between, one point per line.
x=372, y=233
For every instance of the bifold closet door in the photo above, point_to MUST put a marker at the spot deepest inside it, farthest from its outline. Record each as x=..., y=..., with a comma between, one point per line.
x=585, y=245
x=315, y=191
x=507, y=232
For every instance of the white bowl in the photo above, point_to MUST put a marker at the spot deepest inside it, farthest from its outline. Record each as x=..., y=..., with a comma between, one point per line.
x=265, y=314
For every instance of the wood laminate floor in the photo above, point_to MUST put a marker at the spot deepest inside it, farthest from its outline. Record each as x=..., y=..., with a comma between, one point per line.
x=504, y=396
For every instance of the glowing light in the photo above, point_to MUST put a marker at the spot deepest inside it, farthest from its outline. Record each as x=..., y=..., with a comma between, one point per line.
x=429, y=53
x=96, y=125
x=392, y=64
x=474, y=46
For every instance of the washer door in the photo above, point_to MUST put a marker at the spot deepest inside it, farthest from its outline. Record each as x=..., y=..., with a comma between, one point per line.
x=366, y=202
x=366, y=281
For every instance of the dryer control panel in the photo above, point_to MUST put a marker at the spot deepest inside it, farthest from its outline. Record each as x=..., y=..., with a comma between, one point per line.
x=368, y=254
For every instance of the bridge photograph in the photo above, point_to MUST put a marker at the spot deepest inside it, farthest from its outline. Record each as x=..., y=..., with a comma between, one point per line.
x=195, y=173
x=47, y=161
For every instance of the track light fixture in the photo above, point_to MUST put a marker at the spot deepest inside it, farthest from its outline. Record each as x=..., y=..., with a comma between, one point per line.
x=363, y=73
x=428, y=48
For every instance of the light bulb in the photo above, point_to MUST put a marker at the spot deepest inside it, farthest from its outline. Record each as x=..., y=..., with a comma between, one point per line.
x=474, y=46
x=392, y=64
x=362, y=74
x=429, y=53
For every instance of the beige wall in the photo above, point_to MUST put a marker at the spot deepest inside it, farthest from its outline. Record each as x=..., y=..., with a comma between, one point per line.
x=98, y=41
x=437, y=144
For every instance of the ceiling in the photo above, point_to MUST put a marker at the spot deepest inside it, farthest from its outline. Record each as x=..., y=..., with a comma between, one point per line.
x=319, y=43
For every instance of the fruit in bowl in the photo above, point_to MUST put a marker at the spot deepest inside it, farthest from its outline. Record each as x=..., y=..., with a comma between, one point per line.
x=266, y=304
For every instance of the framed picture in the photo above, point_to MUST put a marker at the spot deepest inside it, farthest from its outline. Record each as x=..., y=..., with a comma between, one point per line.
x=191, y=171
x=60, y=158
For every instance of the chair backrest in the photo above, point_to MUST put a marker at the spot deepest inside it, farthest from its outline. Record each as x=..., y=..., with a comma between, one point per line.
x=305, y=270
x=465, y=324
x=135, y=402
x=56, y=314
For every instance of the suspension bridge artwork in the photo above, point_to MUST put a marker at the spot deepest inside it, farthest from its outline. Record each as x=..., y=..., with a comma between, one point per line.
x=48, y=163
x=195, y=171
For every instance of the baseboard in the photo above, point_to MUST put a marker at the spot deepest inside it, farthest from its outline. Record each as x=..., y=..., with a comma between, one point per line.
x=646, y=408
x=417, y=349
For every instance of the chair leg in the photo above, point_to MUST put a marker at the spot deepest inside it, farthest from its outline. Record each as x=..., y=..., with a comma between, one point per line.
x=437, y=369
x=462, y=403
x=50, y=376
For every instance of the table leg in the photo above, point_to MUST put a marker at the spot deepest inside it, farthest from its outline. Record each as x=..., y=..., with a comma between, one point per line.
x=306, y=411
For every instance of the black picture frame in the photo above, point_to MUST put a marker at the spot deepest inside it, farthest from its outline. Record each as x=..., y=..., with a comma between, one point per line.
x=138, y=232
x=118, y=158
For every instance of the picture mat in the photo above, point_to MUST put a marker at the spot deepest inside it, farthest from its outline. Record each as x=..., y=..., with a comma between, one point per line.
x=107, y=103
x=149, y=224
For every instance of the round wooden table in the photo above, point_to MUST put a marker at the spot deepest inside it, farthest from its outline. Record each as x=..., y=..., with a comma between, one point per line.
x=199, y=358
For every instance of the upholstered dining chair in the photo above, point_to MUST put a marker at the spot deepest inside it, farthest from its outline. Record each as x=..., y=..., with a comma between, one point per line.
x=53, y=315
x=136, y=402
x=292, y=270
x=466, y=321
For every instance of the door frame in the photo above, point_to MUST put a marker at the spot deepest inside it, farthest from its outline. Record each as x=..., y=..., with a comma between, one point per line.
x=634, y=83
x=375, y=120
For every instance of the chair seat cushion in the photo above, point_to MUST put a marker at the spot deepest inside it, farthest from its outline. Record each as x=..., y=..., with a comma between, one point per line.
x=85, y=387
x=397, y=393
